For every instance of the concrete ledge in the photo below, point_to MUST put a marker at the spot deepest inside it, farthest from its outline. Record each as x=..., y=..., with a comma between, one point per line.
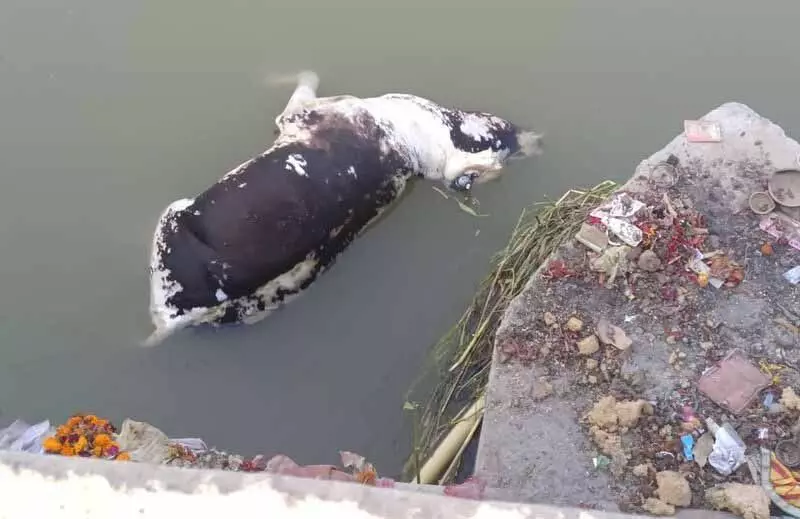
x=56, y=487
x=536, y=450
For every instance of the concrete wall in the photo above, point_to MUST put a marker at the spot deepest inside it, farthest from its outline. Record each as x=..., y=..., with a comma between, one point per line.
x=54, y=487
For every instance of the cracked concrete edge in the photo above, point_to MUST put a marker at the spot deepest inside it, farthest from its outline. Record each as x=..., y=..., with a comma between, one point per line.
x=60, y=487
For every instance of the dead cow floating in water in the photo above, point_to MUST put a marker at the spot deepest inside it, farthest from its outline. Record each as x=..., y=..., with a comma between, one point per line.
x=267, y=229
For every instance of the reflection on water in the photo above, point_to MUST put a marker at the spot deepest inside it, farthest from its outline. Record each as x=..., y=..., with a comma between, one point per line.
x=113, y=109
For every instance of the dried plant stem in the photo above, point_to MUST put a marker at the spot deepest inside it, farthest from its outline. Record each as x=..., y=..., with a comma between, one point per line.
x=461, y=359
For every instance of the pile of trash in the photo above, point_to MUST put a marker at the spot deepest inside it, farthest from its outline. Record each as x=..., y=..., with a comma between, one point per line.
x=727, y=434
x=89, y=436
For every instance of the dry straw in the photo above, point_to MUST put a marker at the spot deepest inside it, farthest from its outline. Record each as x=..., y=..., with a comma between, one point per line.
x=460, y=361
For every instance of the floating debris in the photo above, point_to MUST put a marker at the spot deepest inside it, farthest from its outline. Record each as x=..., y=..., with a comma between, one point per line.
x=85, y=436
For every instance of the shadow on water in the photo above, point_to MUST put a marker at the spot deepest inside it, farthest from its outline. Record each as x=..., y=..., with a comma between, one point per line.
x=113, y=109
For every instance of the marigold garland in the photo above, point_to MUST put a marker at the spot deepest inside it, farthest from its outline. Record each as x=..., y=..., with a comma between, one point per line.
x=85, y=436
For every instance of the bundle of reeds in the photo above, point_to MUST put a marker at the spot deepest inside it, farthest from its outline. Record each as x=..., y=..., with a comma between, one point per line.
x=460, y=361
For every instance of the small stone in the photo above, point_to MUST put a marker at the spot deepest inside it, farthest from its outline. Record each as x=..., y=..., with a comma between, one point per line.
x=649, y=261
x=671, y=339
x=747, y=501
x=685, y=384
x=574, y=324
x=544, y=351
x=542, y=388
x=588, y=345
x=642, y=471
x=655, y=506
x=666, y=431
x=673, y=357
x=789, y=399
x=604, y=413
x=591, y=379
x=614, y=335
x=629, y=412
x=785, y=338
x=634, y=254
x=673, y=489
x=591, y=364
x=549, y=319
x=681, y=354
x=706, y=345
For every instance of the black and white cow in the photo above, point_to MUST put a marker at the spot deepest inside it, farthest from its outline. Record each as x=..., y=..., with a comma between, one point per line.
x=266, y=230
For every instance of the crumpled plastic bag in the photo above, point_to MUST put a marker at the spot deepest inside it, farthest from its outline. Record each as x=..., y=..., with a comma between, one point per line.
x=144, y=443
x=22, y=437
x=728, y=453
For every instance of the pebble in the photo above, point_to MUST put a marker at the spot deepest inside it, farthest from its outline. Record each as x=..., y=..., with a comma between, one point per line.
x=649, y=261
x=549, y=319
x=542, y=389
x=574, y=324
x=681, y=354
x=592, y=379
x=706, y=345
x=685, y=384
x=591, y=364
x=785, y=338
x=588, y=345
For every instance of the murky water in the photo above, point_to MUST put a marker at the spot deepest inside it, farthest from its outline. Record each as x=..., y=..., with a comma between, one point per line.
x=109, y=110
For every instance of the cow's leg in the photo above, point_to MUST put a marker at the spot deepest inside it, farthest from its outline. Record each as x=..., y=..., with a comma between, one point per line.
x=305, y=91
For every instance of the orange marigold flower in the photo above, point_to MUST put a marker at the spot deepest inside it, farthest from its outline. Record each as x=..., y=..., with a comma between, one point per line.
x=62, y=430
x=97, y=452
x=82, y=444
x=90, y=418
x=123, y=456
x=66, y=450
x=73, y=421
x=102, y=440
x=51, y=444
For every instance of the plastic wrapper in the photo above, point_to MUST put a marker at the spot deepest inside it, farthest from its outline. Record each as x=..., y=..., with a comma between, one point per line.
x=22, y=437
x=144, y=442
x=728, y=453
